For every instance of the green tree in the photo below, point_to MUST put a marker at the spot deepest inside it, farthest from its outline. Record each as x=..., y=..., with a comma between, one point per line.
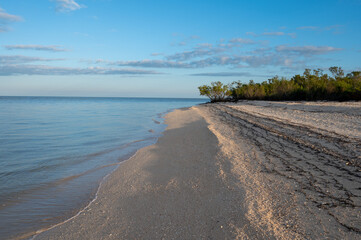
x=216, y=92
x=312, y=85
x=337, y=72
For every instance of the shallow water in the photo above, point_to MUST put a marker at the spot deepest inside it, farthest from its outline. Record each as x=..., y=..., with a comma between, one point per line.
x=54, y=152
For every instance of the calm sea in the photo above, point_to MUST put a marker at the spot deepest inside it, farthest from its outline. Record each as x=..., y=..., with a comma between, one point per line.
x=54, y=152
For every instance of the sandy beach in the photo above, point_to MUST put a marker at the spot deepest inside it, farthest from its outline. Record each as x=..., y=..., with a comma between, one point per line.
x=250, y=170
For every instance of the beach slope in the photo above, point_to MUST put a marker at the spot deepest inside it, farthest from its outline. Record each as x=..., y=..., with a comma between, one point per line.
x=246, y=170
x=175, y=189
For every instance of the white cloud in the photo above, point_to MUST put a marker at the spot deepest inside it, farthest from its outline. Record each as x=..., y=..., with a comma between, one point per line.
x=186, y=55
x=50, y=48
x=292, y=35
x=156, y=54
x=19, y=59
x=307, y=50
x=269, y=59
x=204, y=45
x=8, y=70
x=81, y=34
x=6, y=18
x=273, y=33
x=201, y=50
x=332, y=27
x=336, y=29
x=242, y=41
x=308, y=28
x=67, y=5
x=227, y=74
x=251, y=33
x=222, y=74
x=230, y=55
x=25, y=65
x=152, y=64
x=195, y=37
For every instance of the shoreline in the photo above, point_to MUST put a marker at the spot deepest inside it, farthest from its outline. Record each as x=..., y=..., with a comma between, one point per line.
x=127, y=157
x=171, y=188
x=233, y=171
x=35, y=209
x=32, y=235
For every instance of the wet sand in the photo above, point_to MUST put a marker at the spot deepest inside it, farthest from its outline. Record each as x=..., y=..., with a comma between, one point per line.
x=251, y=170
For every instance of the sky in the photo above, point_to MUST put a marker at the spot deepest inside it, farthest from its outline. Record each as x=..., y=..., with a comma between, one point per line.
x=167, y=48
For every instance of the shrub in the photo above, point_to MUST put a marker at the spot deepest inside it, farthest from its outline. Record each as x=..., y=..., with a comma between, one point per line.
x=312, y=85
x=216, y=92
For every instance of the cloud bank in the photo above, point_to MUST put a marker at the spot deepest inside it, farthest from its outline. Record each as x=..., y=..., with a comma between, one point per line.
x=335, y=29
x=272, y=34
x=222, y=74
x=25, y=65
x=231, y=54
x=19, y=59
x=307, y=50
x=9, y=70
x=226, y=74
x=50, y=48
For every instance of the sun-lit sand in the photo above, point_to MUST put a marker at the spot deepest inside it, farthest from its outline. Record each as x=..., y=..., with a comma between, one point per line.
x=299, y=164
x=251, y=170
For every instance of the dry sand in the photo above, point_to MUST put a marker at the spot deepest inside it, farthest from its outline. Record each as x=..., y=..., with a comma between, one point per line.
x=299, y=164
x=251, y=170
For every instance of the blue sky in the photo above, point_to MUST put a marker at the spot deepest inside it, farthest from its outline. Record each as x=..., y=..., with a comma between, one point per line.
x=168, y=48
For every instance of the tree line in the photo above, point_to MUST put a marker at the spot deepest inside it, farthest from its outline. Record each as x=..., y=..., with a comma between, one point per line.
x=313, y=85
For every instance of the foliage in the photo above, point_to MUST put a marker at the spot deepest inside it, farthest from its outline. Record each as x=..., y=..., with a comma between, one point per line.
x=216, y=92
x=312, y=85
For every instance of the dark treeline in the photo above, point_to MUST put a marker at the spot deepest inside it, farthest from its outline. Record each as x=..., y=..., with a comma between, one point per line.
x=313, y=85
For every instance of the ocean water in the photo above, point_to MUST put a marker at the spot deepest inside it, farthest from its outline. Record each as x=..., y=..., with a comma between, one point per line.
x=55, y=151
